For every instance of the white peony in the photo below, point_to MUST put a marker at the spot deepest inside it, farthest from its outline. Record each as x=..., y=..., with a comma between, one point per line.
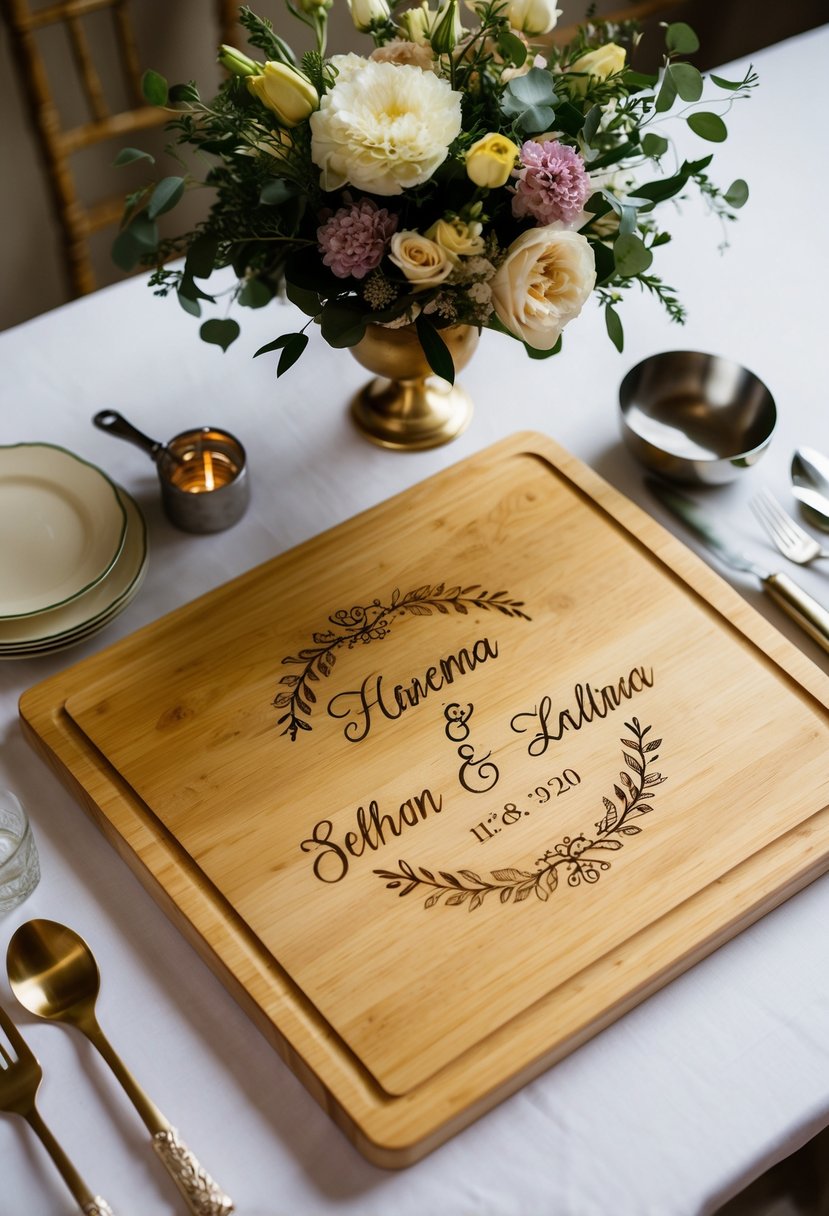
x=543, y=283
x=347, y=66
x=384, y=129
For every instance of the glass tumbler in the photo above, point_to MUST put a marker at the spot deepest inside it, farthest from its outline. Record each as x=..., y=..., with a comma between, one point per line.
x=19, y=862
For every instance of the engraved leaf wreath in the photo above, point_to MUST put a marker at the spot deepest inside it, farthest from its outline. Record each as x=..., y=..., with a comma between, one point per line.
x=366, y=623
x=573, y=856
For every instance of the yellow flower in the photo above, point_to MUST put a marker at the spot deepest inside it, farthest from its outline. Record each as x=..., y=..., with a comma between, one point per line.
x=416, y=22
x=289, y=95
x=457, y=238
x=490, y=160
x=597, y=65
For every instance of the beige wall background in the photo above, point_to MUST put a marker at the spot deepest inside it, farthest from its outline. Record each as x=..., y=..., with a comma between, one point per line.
x=178, y=38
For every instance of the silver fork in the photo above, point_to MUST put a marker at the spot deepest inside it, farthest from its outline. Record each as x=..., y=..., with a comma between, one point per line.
x=790, y=539
x=20, y=1077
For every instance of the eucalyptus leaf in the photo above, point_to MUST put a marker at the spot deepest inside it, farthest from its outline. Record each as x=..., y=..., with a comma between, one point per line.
x=631, y=255
x=512, y=49
x=708, y=126
x=666, y=96
x=188, y=304
x=255, y=294
x=534, y=88
x=437, y=353
x=615, y=331
x=201, y=257
x=307, y=301
x=154, y=88
x=144, y=231
x=128, y=155
x=654, y=145
x=131, y=244
x=591, y=123
x=687, y=81
x=165, y=196
x=737, y=194
x=126, y=253
x=220, y=332
x=535, y=119
x=342, y=323
x=681, y=39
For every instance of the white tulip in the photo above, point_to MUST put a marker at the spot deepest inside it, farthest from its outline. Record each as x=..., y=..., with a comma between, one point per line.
x=368, y=13
x=532, y=17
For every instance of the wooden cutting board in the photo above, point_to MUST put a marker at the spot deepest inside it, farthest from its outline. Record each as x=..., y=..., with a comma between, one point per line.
x=443, y=791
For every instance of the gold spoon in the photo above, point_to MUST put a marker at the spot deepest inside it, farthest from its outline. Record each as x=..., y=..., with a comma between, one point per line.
x=54, y=975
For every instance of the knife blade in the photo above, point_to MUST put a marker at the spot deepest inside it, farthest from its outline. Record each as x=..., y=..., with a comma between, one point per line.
x=810, y=615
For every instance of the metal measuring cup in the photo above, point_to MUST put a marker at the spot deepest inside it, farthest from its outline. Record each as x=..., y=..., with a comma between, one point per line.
x=202, y=472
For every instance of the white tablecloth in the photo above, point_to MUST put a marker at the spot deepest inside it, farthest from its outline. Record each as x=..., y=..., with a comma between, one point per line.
x=678, y=1104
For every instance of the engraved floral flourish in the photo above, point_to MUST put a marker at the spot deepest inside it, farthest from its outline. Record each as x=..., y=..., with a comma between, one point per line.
x=367, y=623
x=573, y=857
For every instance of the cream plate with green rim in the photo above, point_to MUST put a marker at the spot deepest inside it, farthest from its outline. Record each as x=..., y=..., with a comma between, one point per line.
x=87, y=613
x=62, y=526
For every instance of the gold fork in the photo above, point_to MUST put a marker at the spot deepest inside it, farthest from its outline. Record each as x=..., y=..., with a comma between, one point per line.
x=20, y=1077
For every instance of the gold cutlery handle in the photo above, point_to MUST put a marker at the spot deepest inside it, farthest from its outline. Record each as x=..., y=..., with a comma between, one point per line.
x=796, y=603
x=203, y=1196
x=90, y=1205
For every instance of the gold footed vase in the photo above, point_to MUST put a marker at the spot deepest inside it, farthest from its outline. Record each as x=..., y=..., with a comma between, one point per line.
x=407, y=407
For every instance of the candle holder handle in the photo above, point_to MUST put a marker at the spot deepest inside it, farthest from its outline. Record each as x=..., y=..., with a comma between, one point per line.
x=116, y=424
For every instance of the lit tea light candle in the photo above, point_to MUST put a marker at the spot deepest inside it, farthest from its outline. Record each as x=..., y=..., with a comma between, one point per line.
x=204, y=480
x=203, y=471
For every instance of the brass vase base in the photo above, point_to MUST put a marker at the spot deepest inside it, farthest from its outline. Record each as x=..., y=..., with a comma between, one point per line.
x=411, y=414
x=406, y=407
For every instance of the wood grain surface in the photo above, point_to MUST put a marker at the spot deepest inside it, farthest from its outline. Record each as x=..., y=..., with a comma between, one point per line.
x=529, y=759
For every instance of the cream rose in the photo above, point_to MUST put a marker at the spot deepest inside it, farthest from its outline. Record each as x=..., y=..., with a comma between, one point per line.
x=457, y=238
x=384, y=129
x=543, y=283
x=422, y=260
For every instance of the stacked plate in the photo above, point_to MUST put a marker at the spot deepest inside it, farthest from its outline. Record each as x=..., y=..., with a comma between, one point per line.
x=73, y=549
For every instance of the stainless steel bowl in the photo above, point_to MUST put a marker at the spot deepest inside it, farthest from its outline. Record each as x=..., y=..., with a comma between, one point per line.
x=695, y=418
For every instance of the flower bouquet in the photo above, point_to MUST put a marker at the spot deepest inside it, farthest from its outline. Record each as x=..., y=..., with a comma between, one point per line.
x=456, y=175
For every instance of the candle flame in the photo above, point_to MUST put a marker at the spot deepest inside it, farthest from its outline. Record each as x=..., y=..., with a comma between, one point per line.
x=209, y=479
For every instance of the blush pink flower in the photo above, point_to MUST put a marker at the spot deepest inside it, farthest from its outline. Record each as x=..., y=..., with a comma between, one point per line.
x=552, y=183
x=354, y=239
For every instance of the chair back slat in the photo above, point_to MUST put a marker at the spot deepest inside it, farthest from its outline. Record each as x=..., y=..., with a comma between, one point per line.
x=87, y=72
x=57, y=141
x=128, y=52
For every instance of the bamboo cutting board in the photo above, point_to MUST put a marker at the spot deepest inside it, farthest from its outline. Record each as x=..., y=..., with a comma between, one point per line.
x=443, y=791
